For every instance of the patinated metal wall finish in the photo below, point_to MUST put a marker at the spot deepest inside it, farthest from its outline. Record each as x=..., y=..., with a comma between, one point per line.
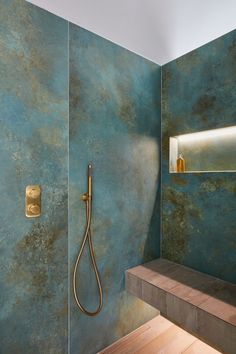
x=198, y=210
x=115, y=124
x=33, y=145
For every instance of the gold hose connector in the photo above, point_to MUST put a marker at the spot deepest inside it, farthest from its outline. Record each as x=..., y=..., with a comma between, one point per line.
x=87, y=198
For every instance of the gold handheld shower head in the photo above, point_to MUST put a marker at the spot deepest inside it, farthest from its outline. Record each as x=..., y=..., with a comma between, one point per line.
x=90, y=170
x=90, y=181
x=88, y=196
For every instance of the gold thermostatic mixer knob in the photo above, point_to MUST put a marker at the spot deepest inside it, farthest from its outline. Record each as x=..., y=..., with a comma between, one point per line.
x=34, y=209
x=34, y=193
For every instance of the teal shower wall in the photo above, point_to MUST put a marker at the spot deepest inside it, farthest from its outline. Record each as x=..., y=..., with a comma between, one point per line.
x=115, y=119
x=198, y=210
x=115, y=124
x=33, y=145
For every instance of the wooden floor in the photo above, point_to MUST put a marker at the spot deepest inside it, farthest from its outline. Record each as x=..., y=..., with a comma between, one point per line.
x=159, y=336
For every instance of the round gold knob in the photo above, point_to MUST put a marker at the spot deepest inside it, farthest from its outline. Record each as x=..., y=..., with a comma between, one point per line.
x=34, y=209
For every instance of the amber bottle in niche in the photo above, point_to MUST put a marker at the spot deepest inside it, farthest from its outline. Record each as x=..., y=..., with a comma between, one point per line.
x=180, y=166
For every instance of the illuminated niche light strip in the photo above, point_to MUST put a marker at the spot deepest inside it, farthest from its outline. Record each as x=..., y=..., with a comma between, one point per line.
x=208, y=134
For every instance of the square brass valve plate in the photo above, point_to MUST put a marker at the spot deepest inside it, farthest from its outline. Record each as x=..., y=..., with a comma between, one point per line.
x=33, y=201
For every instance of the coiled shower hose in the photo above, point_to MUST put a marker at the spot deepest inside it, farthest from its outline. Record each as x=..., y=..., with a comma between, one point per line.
x=87, y=236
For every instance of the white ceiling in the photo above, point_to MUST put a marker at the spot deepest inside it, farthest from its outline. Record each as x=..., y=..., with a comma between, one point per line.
x=160, y=30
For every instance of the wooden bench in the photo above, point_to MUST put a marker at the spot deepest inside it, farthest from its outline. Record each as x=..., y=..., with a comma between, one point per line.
x=199, y=303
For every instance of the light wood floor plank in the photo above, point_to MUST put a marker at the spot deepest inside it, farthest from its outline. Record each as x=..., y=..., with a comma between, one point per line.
x=136, y=340
x=159, y=336
x=171, y=341
x=200, y=347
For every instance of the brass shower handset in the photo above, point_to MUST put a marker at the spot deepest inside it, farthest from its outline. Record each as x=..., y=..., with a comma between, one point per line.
x=87, y=198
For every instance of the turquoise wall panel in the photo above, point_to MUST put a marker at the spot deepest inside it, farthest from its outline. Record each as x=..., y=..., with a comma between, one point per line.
x=198, y=210
x=115, y=124
x=33, y=145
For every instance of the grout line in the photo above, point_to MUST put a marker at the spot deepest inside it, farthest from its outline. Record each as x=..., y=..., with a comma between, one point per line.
x=161, y=165
x=68, y=187
x=190, y=345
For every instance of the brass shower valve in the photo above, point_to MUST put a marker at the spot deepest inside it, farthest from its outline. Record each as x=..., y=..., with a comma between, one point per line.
x=33, y=201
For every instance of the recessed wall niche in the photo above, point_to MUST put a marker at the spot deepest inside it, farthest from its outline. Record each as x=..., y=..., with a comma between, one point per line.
x=204, y=151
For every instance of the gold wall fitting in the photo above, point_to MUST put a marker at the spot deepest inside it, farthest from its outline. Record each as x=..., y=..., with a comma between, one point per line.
x=85, y=197
x=33, y=201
